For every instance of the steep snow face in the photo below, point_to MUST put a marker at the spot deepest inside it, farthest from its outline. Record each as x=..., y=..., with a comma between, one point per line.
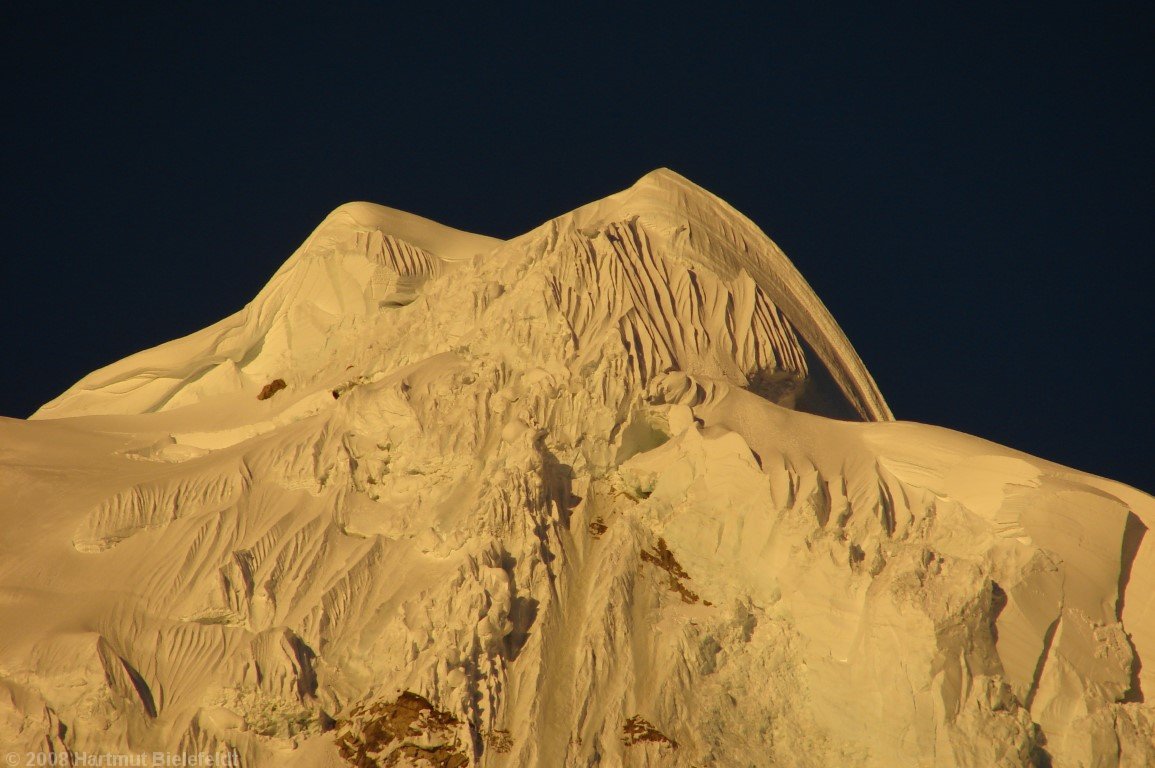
x=570, y=499
x=306, y=322
x=643, y=254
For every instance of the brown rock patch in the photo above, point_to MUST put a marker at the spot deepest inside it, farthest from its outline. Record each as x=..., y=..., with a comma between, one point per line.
x=638, y=730
x=662, y=557
x=272, y=388
x=407, y=731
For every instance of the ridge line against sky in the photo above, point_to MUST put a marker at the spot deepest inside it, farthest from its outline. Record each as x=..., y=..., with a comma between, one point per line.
x=968, y=190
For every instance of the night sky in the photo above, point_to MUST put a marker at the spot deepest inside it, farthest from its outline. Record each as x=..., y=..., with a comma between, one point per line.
x=971, y=191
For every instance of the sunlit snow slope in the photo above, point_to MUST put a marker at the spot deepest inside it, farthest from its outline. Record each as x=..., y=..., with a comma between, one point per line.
x=615, y=492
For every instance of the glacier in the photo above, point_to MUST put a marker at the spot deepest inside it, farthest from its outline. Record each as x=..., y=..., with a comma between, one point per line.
x=618, y=491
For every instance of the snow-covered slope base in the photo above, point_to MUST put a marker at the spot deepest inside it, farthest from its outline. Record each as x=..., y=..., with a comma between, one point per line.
x=572, y=499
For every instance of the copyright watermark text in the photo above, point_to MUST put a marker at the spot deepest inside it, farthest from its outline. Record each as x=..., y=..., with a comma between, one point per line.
x=224, y=759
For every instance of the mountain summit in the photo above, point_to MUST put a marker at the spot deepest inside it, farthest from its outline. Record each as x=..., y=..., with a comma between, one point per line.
x=618, y=491
x=364, y=259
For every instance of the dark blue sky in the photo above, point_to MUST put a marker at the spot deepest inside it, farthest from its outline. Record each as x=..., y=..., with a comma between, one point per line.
x=969, y=188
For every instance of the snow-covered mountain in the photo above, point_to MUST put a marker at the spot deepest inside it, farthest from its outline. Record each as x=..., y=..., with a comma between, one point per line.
x=618, y=491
